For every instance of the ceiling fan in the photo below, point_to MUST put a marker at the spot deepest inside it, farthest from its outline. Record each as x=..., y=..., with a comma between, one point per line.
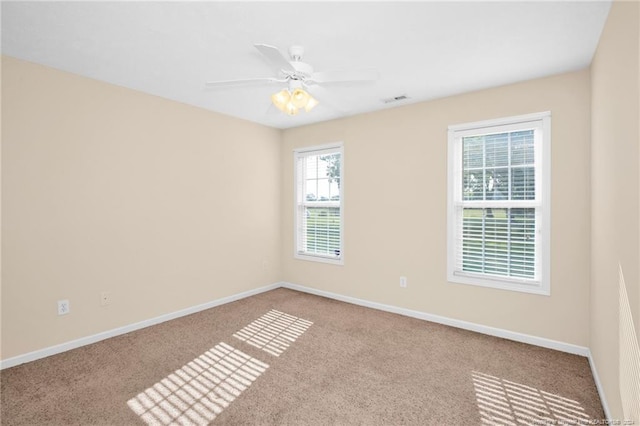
x=300, y=79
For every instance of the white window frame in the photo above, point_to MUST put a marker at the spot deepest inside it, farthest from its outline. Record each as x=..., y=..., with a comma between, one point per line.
x=541, y=122
x=299, y=202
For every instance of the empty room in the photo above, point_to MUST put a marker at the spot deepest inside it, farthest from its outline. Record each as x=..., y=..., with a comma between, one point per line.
x=320, y=213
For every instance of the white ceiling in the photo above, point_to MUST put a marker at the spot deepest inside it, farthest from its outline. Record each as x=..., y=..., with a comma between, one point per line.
x=424, y=50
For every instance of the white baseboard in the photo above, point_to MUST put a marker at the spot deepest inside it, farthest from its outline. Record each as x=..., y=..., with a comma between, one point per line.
x=498, y=332
x=492, y=331
x=596, y=378
x=52, y=350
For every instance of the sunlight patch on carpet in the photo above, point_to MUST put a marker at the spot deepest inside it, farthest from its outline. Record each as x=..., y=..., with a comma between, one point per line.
x=200, y=390
x=502, y=402
x=273, y=332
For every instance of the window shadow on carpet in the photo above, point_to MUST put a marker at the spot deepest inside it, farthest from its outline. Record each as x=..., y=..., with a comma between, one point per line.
x=503, y=402
x=273, y=332
x=200, y=390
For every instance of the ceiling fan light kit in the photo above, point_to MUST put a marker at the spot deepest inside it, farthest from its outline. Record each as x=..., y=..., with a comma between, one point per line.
x=291, y=102
x=299, y=76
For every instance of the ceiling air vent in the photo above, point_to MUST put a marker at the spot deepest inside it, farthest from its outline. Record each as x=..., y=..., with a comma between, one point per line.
x=395, y=99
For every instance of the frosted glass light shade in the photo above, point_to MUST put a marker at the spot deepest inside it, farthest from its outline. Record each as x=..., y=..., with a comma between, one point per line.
x=310, y=104
x=291, y=109
x=281, y=99
x=299, y=98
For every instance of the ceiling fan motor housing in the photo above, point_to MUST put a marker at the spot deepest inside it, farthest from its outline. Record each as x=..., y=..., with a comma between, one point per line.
x=296, y=52
x=303, y=70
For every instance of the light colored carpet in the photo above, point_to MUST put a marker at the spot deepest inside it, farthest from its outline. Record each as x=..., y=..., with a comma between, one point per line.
x=289, y=358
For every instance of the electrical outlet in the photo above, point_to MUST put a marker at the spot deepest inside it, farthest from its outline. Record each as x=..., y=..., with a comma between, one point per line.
x=105, y=298
x=403, y=282
x=63, y=307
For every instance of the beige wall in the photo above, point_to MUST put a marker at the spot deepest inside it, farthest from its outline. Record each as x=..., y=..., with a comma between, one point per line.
x=0, y=212
x=615, y=188
x=395, y=165
x=106, y=189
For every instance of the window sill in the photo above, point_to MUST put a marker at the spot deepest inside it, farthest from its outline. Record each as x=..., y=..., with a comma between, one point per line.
x=320, y=259
x=500, y=284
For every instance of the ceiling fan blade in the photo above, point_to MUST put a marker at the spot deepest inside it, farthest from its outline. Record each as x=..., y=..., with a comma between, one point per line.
x=275, y=57
x=345, y=76
x=241, y=82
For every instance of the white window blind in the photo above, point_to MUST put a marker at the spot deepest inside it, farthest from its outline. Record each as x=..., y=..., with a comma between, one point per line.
x=498, y=203
x=318, y=195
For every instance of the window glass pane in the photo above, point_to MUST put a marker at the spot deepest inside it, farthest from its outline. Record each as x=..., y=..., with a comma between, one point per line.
x=335, y=189
x=496, y=150
x=472, y=185
x=331, y=169
x=497, y=184
x=522, y=147
x=311, y=190
x=472, y=154
x=323, y=189
x=311, y=167
x=523, y=183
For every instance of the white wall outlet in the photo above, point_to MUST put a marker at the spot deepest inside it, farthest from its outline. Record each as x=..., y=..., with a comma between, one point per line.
x=105, y=298
x=403, y=282
x=63, y=307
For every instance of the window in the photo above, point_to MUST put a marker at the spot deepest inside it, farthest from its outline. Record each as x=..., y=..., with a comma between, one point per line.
x=498, y=218
x=318, y=195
